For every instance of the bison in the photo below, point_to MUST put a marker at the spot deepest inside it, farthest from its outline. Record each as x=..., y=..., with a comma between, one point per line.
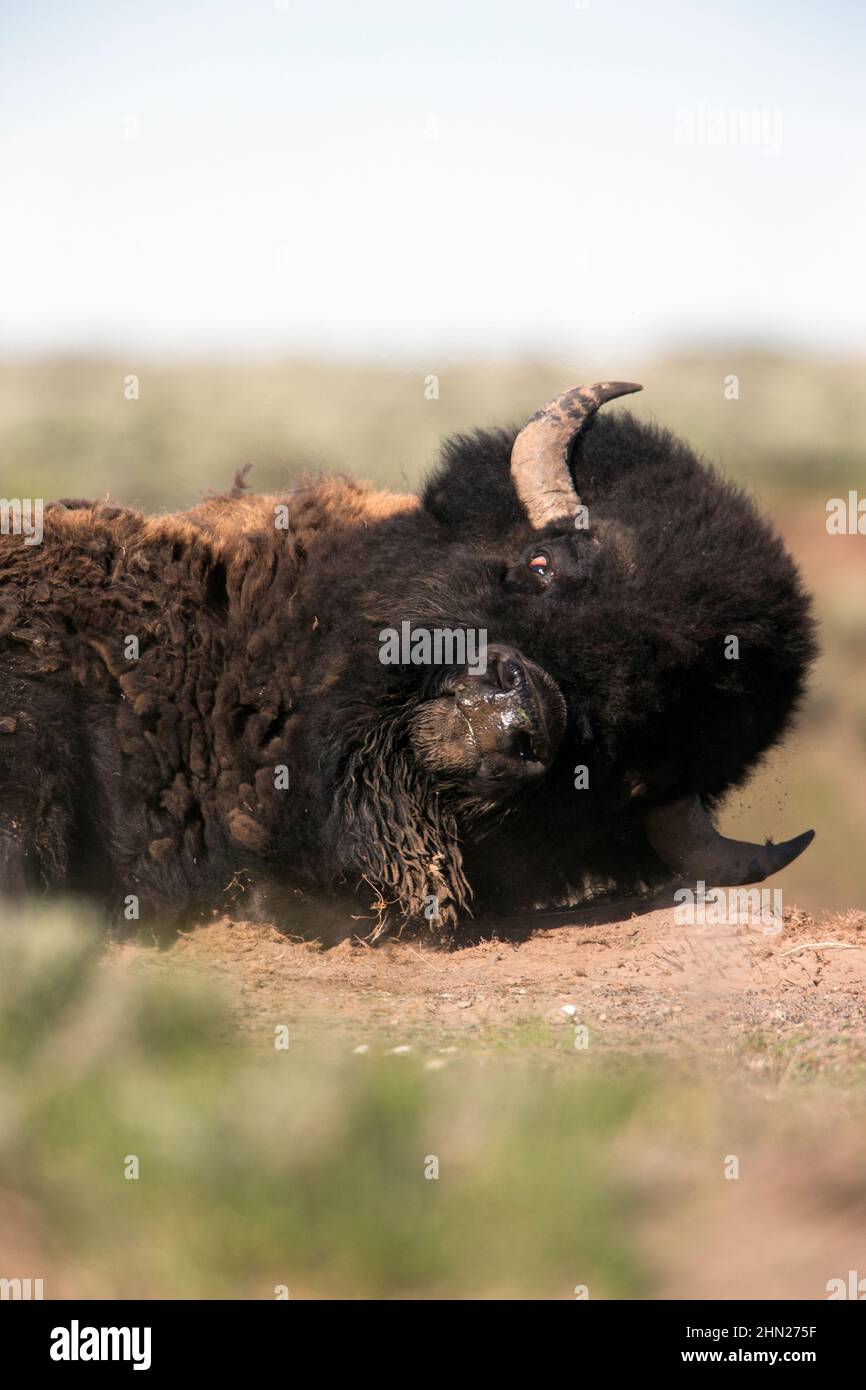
x=242, y=707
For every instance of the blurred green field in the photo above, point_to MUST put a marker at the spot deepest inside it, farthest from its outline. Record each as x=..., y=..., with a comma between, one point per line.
x=305, y=1169
x=795, y=435
x=66, y=428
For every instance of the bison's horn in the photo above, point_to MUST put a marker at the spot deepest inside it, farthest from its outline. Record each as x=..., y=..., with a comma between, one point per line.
x=683, y=835
x=539, y=458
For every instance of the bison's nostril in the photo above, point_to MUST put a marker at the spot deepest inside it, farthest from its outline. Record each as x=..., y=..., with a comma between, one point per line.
x=521, y=747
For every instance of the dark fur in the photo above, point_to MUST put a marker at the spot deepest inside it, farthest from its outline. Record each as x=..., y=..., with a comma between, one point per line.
x=259, y=648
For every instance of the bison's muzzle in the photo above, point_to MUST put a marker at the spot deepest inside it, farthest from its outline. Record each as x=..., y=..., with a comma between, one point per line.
x=492, y=730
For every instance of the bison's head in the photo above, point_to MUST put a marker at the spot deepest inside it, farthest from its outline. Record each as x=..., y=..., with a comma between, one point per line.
x=620, y=590
x=648, y=639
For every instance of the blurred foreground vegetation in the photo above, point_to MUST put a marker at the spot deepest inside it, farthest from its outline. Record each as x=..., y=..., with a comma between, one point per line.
x=306, y=1167
x=271, y=1167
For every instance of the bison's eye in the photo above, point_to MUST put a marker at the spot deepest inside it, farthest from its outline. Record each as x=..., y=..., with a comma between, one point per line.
x=540, y=565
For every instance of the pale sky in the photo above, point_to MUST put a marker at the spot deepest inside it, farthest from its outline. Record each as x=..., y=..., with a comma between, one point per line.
x=471, y=176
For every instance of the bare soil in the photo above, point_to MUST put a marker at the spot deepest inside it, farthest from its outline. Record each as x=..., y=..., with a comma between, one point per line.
x=639, y=981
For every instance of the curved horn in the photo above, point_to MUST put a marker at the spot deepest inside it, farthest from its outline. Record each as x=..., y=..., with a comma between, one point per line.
x=539, y=458
x=683, y=835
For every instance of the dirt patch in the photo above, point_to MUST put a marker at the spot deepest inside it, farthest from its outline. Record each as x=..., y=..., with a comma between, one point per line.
x=780, y=1002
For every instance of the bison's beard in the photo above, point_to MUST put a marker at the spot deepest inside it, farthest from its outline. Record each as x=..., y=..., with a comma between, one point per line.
x=396, y=836
x=459, y=753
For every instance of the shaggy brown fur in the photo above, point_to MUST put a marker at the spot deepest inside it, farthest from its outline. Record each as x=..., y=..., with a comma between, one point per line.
x=192, y=730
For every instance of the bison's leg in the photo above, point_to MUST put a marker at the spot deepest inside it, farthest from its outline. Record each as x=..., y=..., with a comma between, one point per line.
x=13, y=863
x=19, y=859
x=36, y=817
x=38, y=777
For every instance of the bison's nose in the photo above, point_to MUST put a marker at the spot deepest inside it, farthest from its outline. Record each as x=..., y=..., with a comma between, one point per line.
x=515, y=713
